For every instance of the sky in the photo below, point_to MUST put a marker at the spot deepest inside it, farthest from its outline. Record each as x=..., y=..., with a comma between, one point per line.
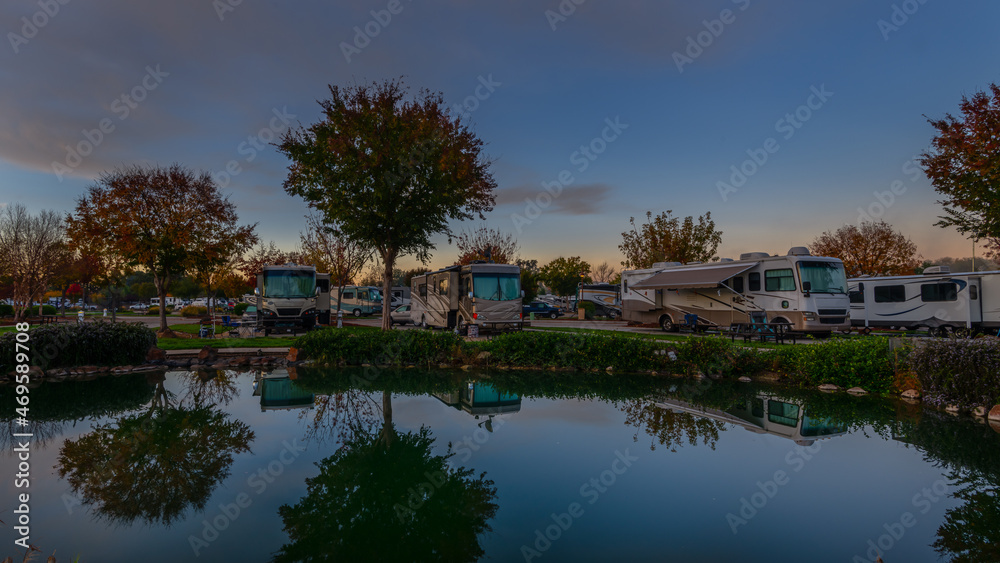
x=784, y=119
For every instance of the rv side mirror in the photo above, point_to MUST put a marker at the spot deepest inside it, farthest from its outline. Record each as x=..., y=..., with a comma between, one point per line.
x=522, y=293
x=318, y=291
x=470, y=295
x=807, y=286
x=256, y=291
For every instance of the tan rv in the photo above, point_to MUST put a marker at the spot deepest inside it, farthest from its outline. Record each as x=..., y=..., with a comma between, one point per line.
x=807, y=292
x=485, y=295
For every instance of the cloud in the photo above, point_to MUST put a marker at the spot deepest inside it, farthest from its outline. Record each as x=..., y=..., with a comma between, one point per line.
x=586, y=199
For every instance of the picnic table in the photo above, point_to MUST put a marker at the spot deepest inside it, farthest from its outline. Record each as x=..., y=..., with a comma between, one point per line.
x=778, y=332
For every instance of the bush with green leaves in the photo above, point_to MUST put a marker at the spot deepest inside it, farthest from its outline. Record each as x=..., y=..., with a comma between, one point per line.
x=960, y=372
x=65, y=345
x=395, y=347
x=6, y=310
x=153, y=311
x=855, y=362
x=240, y=308
x=589, y=309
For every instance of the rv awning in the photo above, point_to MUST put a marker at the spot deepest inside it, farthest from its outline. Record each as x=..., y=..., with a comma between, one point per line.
x=693, y=278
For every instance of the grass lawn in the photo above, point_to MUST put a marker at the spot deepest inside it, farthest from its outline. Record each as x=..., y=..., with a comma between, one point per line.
x=224, y=342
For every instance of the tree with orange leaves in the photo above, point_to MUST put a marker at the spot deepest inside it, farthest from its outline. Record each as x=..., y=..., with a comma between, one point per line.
x=873, y=249
x=486, y=244
x=163, y=219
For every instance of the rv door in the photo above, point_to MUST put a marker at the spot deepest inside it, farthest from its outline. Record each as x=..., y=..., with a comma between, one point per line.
x=975, y=302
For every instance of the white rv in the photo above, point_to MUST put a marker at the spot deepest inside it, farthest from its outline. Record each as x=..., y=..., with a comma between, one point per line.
x=937, y=300
x=292, y=296
x=482, y=294
x=606, y=298
x=807, y=292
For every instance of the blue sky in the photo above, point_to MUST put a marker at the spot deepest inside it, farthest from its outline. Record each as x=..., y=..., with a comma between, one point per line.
x=690, y=86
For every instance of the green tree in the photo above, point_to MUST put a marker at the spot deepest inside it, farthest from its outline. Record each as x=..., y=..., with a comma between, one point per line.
x=665, y=238
x=387, y=171
x=529, y=279
x=963, y=164
x=562, y=275
x=166, y=220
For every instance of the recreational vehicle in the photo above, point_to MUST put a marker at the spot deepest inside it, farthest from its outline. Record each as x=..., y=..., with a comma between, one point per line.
x=358, y=300
x=292, y=296
x=400, y=296
x=606, y=298
x=807, y=293
x=481, y=294
x=936, y=300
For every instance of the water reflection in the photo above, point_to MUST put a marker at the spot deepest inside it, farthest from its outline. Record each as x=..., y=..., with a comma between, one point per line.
x=384, y=496
x=154, y=465
x=277, y=391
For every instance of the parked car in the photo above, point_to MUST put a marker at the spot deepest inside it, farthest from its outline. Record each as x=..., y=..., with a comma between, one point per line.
x=401, y=315
x=540, y=309
x=139, y=307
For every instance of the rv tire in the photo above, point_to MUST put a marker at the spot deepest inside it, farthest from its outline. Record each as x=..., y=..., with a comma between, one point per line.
x=667, y=324
x=357, y=312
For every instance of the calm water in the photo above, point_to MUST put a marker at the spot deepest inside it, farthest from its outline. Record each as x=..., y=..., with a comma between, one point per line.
x=354, y=465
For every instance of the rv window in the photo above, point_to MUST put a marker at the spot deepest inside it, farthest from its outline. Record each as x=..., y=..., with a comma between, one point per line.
x=973, y=292
x=323, y=285
x=754, y=279
x=348, y=295
x=786, y=414
x=857, y=295
x=930, y=292
x=737, y=284
x=890, y=294
x=626, y=286
x=779, y=280
x=442, y=287
x=422, y=290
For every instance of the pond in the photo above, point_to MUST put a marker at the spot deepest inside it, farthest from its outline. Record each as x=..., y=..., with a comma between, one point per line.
x=397, y=465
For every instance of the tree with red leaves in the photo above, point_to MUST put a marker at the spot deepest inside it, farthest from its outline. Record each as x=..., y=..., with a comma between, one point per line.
x=963, y=164
x=165, y=220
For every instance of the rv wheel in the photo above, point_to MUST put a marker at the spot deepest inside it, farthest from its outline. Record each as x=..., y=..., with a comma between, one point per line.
x=423, y=322
x=461, y=327
x=667, y=324
x=845, y=331
x=357, y=312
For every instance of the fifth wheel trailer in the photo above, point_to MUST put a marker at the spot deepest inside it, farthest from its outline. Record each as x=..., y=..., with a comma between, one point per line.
x=807, y=292
x=937, y=300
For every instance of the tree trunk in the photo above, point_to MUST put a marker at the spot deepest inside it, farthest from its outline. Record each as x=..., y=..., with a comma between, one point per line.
x=387, y=431
x=161, y=282
x=62, y=302
x=389, y=259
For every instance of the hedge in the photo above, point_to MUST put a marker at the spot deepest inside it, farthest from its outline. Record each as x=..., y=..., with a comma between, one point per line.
x=863, y=362
x=194, y=311
x=960, y=372
x=64, y=345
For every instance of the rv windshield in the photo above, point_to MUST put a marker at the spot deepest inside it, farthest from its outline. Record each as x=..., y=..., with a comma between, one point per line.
x=289, y=284
x=496, y=287
x=824, y=277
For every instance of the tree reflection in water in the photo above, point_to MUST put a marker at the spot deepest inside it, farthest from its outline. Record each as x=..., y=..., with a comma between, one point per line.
x=153, y=466
x=383, y=496
x=669, y=428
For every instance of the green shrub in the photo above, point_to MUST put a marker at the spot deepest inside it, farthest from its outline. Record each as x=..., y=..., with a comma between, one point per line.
x=958, y=372
x=6, y=310
x=194, y=311
x=47, y=310
x=854, y=362
x=240, y=308
x=588, y=309
x=153, y=311
x=394, y=347
x=64, y=345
